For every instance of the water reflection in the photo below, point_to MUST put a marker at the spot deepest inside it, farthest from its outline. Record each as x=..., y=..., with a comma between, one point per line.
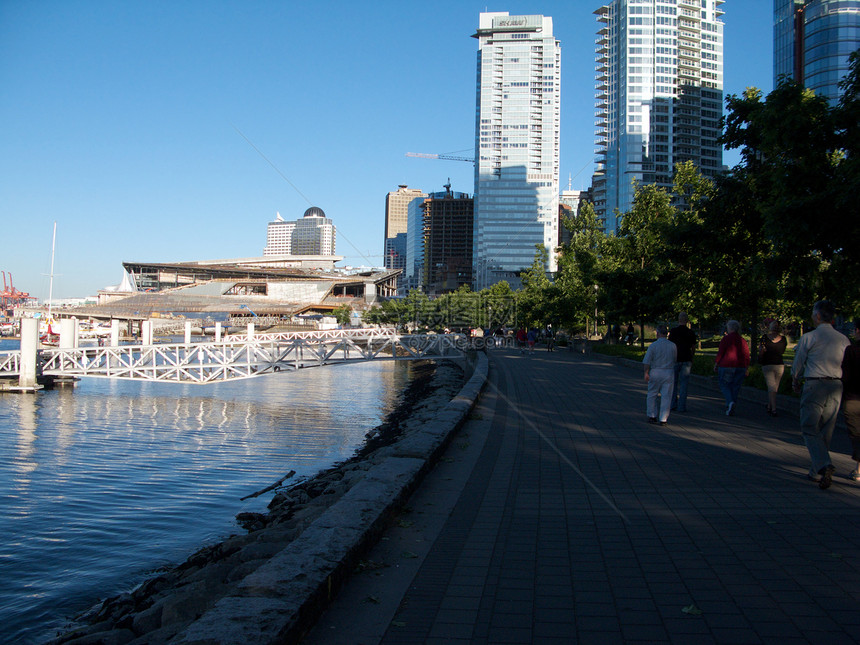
x=108, y=480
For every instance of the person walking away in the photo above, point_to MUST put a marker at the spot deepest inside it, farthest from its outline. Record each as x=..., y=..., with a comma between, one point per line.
x=550, y=338
x=531, y=338
x=521, y=339
x=732, y=364
x=851, y=397
x=685, y=340
x=772, y=348
x=659, y=375
x=818, y=361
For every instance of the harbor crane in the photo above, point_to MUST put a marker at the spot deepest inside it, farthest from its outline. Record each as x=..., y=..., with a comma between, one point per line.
x=429, y=155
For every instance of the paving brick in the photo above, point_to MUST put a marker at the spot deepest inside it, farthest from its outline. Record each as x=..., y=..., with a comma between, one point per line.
x=582, y=524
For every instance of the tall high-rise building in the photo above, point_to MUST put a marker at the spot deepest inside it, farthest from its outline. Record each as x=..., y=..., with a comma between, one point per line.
x=812, y=40
x=396, y=214
x=516, y=145
x=659, y=97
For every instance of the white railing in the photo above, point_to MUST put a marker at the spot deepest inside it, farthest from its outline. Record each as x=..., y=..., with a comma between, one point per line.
x=10, y=363
x=242, y=358
x=321, y=334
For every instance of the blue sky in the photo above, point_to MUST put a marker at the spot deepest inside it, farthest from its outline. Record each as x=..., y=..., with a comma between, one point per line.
x=138, y=126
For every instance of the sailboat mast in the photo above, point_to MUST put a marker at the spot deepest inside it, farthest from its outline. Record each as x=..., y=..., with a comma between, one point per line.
x=51, y=283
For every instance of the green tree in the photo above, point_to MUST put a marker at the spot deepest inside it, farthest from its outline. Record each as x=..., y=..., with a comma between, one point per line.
x=636, y=284
x=799, y=169
x=537, y=298
x=580, y=268
x=342, y=314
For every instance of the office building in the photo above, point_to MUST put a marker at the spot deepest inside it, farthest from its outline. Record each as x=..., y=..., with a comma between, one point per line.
x=396, y=215
x=812, y=40
x=313, y=234
x=659, y=81
x=516, y=145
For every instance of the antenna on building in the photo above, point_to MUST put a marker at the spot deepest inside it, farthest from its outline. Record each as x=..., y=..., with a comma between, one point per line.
x=569, y=181
x=447, y=186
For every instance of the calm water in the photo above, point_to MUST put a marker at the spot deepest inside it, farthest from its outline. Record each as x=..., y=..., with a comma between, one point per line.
x=103, y=483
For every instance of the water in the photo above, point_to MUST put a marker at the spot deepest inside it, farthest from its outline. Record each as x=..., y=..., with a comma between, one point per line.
x=103, y=483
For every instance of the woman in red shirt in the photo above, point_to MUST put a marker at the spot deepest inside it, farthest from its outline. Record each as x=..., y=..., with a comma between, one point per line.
x=732, y=364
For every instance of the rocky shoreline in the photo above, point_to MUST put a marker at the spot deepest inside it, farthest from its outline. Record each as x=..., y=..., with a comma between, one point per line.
x=159, y=609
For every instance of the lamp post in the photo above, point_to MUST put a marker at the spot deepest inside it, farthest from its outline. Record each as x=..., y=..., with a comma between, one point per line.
x=596, y=289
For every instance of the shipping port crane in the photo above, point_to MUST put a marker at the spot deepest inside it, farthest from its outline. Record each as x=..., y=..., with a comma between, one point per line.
x=10, y=296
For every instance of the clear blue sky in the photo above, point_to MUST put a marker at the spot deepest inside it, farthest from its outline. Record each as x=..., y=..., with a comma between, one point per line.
x=122, y=120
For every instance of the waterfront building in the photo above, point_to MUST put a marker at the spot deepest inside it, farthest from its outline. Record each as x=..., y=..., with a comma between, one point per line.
x=396, y=216
x=313, y=234
x=516, y=145
x=812, y=40
x=448, y=226
x=659, y=80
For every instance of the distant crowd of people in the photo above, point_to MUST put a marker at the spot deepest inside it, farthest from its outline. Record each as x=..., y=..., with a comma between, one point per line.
x=825, y=372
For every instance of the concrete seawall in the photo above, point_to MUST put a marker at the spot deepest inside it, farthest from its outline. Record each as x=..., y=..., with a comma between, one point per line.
x=293, y=571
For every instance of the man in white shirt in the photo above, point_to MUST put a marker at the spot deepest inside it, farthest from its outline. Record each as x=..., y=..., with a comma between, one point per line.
x=659, y=375
x=818, y=360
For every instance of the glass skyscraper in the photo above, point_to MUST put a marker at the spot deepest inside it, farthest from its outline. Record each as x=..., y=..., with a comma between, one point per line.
x=812, y=40
x=516, y=145
x=659, y=95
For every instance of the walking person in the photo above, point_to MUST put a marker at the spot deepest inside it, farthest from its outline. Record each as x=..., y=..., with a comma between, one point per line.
x=732, y=364
x=521, y=339
x=531, y=339
x=818, y=360
x=550, y=338
x=659, y=375
x=772, y=348
x=851, y=397
x=685, y=340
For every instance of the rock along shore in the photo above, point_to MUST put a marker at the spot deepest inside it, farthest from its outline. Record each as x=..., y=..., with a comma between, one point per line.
x=271, y=584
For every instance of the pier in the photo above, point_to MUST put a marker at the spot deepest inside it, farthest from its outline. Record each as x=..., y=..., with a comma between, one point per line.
x=223, y=359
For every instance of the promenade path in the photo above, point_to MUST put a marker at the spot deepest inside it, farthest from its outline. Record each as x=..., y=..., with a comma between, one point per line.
x=559, y=515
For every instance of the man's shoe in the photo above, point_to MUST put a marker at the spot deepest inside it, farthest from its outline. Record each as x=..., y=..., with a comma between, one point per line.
x=826, y=477
x=730, y=411
x=662, y=423
x=652, y=419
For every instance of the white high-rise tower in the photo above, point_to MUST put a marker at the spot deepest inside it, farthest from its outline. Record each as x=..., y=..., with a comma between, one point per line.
x=516, y=145
x=659, y=96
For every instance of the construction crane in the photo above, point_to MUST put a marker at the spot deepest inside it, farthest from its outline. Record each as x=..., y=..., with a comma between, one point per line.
x=428, y=155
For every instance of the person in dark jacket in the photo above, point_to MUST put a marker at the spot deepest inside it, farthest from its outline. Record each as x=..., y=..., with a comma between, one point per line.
x=685, y=340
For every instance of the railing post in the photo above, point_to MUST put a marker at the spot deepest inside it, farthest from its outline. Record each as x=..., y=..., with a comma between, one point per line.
x=29, y=351
x=114, y=332
x=250, y=332
x=146, y=332
x=187, y=332
x=217, y=332
x=68, y=336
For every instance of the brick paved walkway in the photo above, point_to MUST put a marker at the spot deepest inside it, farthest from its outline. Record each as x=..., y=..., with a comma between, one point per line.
x=561, y=516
